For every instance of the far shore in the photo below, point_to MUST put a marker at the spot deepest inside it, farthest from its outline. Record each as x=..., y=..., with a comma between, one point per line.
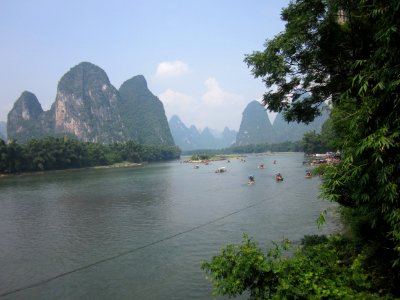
x=116, y=165
x=214, y=158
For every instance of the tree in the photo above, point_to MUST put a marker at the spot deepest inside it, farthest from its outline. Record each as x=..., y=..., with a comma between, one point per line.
x=3, y=156
x=347, y=52
x=360, y=77
x=315, y=271
x=15, y=157
x=57, y=153
x=329, y=137
x=312, y=142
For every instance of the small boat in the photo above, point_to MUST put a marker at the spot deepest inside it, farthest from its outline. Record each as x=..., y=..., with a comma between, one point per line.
x=278, y=177
x=252, y=180
x=220, y=170
x=196, y=166
x=261, y=166
x=308, y=174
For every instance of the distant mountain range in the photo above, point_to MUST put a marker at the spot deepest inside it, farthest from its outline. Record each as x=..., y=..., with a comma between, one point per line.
x=89, y=107
x=255, y=128
x=190, y=138
x=294, y=131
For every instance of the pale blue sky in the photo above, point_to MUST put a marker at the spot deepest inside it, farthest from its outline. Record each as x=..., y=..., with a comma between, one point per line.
x=190, y=52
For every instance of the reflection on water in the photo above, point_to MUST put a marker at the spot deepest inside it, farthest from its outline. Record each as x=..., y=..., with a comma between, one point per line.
x=142, y=232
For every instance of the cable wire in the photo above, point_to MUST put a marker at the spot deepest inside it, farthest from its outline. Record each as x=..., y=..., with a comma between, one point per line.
x=42, y=282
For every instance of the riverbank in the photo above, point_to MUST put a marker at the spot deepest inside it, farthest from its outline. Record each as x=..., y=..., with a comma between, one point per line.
x=213, y=158
x=125, y=164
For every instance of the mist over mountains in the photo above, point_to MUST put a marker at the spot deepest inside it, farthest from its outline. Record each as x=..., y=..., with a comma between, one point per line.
x=255, y=128
x=191, y=138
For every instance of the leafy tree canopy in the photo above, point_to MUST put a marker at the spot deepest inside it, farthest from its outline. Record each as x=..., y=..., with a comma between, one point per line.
x=348, y=53
x=311, y=56
x=57, y=153
x=317, y=270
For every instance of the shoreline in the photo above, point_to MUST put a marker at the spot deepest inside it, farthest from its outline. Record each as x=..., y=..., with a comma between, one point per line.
x=113, y=166
x=214, y=158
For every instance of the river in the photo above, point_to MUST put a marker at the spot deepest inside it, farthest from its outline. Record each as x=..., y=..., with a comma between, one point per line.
x=142, y=232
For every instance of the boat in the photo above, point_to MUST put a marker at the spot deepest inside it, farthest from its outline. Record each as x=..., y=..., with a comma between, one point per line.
x=261, y=166
x=308, y=174
x=220, y=170
x=252, y=180
x=196, y=166
x=278, y=177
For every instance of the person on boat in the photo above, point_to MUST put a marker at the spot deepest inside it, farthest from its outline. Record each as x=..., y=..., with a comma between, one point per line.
x=251, y=179
x=278, y=177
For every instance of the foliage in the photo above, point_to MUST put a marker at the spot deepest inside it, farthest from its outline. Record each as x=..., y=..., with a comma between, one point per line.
x=310, y=57
x=345, y=52
x=200, y=157
x=52, y=153
x=326, y=141
x=320, y=269
x=368, y=118
x=314, y=143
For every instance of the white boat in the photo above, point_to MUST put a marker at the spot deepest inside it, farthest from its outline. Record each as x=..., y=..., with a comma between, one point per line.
x=220, y=170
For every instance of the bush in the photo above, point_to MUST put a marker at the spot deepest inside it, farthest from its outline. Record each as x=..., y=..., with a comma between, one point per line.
x=318, y=270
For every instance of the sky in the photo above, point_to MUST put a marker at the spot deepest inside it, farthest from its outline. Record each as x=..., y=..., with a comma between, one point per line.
x=190, y=52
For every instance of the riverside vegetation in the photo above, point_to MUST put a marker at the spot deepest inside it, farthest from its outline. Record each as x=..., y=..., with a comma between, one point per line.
x=58, y=153
x=345, y=52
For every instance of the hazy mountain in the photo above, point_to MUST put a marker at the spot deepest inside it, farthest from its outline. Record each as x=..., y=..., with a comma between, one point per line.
x=143, y=113
x=185, y=138
x=294, y=131
x=27, y=119
x=208, y=140
x=87, y=105
x=192, y=139
x=228, y=137
x=255, y=127
x=3, y=130
x=90, y=108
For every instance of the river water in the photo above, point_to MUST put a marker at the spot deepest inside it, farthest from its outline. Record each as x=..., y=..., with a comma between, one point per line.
x=142, y=232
